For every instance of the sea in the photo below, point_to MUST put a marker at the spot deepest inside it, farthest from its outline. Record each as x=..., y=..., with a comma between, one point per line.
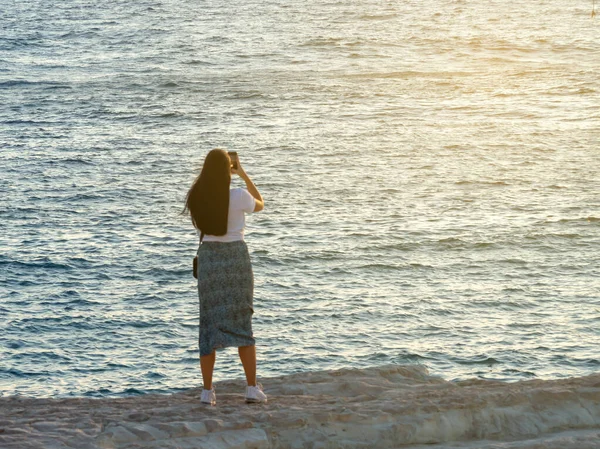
x=430, y=170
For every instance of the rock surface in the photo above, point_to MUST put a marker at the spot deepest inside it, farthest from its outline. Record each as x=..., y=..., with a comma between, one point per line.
x=384, y=407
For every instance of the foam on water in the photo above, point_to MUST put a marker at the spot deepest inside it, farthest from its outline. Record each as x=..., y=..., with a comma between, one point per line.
x=430, y=173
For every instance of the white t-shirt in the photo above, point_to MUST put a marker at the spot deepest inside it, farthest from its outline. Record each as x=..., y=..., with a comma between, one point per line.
x=240, y=203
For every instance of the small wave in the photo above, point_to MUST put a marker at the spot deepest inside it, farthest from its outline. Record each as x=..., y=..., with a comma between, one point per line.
x=77, y=161
x=46, y=319
x=589, y=219
x=503, y=95
x=451, y=241
x=379, y=266
x=513, y=261
x=21, y=83
x=414, y=357
x=590, y=362
x=457, y=243
x=113, y=365
x=100, y=393
x=197, y=62
x=169, y=114
x=387, y=267
x=378, y=16
x=81, y=197
x=322, y=42
x=518, y=372
x=64, y=294
x=58, y=86
x=13, y=372
x=488, y=183
x=133, y=392
x=585, y=91
x=407, y=74
x=439, y=311
x=43, y=263
x=220, y=39
x=404, y=246
x=478, y=360
x=143, y=324
x=41, y=355
x=81, y=302
x=89, y=370
x=81, y=260
x=15, y=345
x=27, y=122
x=162, y=273
x=420, y=265
x=27, y=284
x=246, y=96
x=147, y=299
x=547, y=236
x=72, y=34
x=360, y=56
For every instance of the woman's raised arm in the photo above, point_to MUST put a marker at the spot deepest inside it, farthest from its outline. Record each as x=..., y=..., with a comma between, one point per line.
x=259, y=202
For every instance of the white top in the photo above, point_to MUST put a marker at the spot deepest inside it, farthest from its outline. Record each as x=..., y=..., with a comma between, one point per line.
x=240, y=202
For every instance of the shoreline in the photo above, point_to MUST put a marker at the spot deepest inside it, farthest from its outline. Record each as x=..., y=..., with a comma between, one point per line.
x=379, y=407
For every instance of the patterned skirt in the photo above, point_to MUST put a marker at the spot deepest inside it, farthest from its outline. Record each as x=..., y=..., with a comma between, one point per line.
x=225, y=291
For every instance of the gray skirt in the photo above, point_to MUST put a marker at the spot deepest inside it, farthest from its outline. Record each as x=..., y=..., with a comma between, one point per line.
x=225, y=291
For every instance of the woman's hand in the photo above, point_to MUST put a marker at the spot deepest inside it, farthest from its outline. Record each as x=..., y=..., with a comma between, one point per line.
x=239, y=170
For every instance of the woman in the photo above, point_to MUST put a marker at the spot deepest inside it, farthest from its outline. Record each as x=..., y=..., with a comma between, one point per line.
x=225, y=279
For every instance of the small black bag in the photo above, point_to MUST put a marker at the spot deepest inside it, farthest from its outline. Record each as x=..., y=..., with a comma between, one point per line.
x=195, y=262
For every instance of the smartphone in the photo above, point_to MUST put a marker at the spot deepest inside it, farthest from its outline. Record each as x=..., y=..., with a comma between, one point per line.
x=234, y=159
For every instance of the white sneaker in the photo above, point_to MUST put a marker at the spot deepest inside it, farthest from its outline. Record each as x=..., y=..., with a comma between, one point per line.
x=255, y=394
x=208, y=397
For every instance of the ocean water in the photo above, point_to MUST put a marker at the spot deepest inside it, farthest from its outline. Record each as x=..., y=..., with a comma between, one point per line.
x=431, y=173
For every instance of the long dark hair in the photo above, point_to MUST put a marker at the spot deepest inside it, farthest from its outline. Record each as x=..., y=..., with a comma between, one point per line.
x=208, y=198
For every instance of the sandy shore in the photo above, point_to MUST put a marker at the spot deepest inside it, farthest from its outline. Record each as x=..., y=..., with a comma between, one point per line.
x=384, y=407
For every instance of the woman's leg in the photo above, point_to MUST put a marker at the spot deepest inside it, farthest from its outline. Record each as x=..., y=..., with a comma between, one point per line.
x=248, y=358
x=207, y=364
